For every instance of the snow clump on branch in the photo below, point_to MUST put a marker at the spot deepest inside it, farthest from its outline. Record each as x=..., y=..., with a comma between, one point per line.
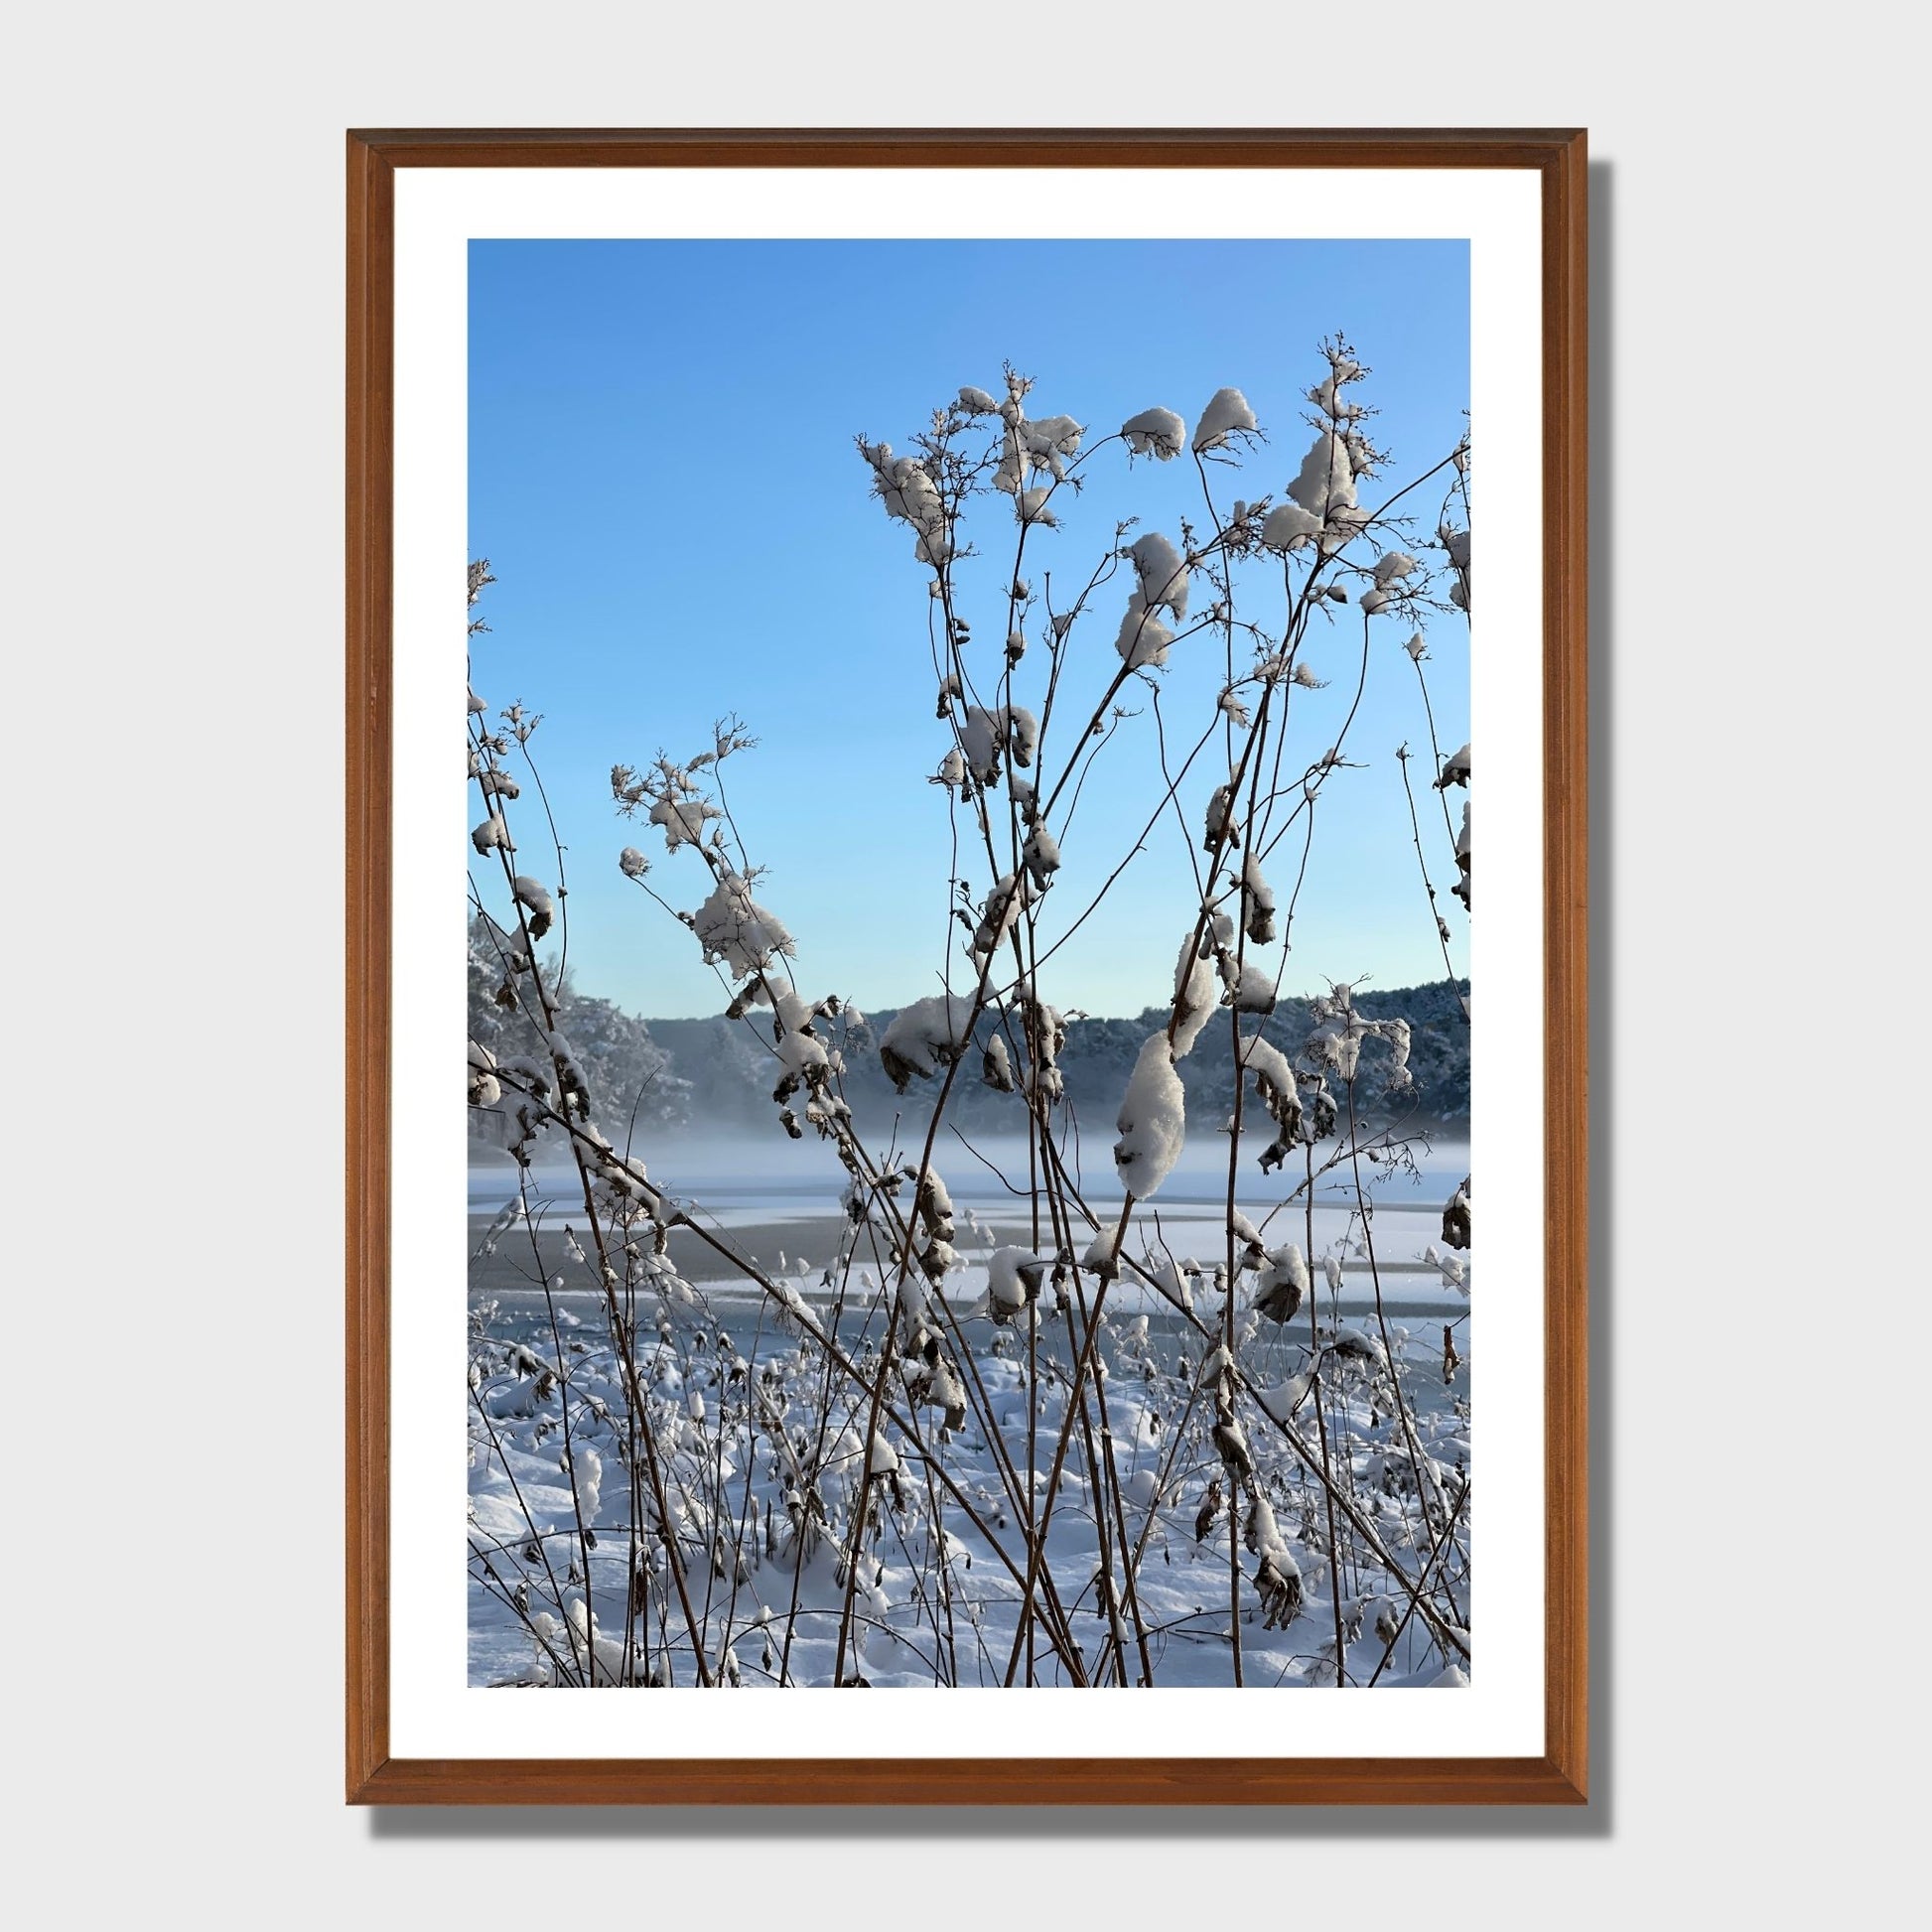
x=1013, y=1278
x=733, y=927
x=1194, y=992
x=926, y=1035
x=909, y=493
x=683, y=820
x=1144, y=639
x=1284, y=1284
x=1390, y=568
x=537, y=902
x=1228, y=414
x=1152, y=1120
x=1162, y=572
x=1159, y=433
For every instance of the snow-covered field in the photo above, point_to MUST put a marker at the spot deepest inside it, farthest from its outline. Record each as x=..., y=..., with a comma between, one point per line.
x=762, y=1414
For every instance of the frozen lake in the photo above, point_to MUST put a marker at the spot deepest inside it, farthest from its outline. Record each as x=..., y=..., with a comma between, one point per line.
x=779, y=1205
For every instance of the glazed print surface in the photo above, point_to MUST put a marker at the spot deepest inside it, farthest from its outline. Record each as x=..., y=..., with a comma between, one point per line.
x=968, y=920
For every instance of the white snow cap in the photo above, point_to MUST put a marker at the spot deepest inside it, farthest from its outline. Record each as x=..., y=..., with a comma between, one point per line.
x=1144, y=639
x=1228, y=414
x=1327, y=397
x=732, y=926
x=1195, y=1000
x=1163, y=574
x=1155, y=432
x=979, y=738
x=1152, y=1121
x=1042, y=855
x=1266, y=1060
x=927, y=1034
x=1258, y=901
x=536, y=900
x=683, y=820
x=1263, y=1535
x=1326, y=483
x=1013, y=1276
x=909, y=493
x=1256, y=992
x=1289, y=526
x=1286, y=1278
x=1390, y=568
x=1103, y=1254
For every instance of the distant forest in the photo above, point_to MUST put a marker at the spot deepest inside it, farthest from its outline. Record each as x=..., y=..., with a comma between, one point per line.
x=718, y=1073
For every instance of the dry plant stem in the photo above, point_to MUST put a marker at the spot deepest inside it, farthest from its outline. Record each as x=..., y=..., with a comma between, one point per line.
x=1130, y=1584
x=863, y=1169
x=1058, y=1631
x=1321, y=1427
x=1104, y=1481
x=495, y=1583
x=858, y=1528
x=1435, y=910
x=1252, y=747
x=1415, y=1458
x=1096, y=1491
x=1343, y=1503
x=1023, y=1507
x=1227, y=1322
x=563, y=1402
x=606, y=1276
x=633, y=1552
x=745, y=1503
x=516, y=1491
x=1442, y=1543
x=1435, y=751
x=1039, y=1147
x=1034, y=1566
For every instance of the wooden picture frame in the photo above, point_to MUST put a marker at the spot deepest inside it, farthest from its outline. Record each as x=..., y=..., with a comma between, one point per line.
x=1558, y=1775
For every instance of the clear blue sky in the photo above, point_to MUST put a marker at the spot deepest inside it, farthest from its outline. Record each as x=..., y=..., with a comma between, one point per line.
x=662, y=472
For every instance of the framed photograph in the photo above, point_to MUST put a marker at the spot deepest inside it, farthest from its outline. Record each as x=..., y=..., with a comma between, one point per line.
x=957, y=926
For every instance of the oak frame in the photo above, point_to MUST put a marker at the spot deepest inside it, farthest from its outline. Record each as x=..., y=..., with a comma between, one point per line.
x=1560, y=1775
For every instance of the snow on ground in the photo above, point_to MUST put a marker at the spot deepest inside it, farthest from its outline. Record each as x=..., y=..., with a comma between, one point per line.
x=761, y=1496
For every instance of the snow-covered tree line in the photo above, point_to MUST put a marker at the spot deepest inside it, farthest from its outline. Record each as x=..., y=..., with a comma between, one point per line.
x=1118, y=1448
x=629, y=1074
x=670, y=1060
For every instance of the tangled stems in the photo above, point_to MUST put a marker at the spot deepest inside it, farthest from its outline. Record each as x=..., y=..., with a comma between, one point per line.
x=701, y=1486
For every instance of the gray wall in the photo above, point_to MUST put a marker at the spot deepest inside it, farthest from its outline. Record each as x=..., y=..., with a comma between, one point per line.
x=175, y=396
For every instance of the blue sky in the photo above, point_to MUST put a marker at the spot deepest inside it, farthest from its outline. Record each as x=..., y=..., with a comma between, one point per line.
x=662, y=472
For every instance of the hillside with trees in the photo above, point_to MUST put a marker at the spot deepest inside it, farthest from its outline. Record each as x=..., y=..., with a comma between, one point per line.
x=720, y=1071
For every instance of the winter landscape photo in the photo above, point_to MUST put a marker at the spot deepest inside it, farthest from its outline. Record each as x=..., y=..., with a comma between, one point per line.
x=967, y=920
